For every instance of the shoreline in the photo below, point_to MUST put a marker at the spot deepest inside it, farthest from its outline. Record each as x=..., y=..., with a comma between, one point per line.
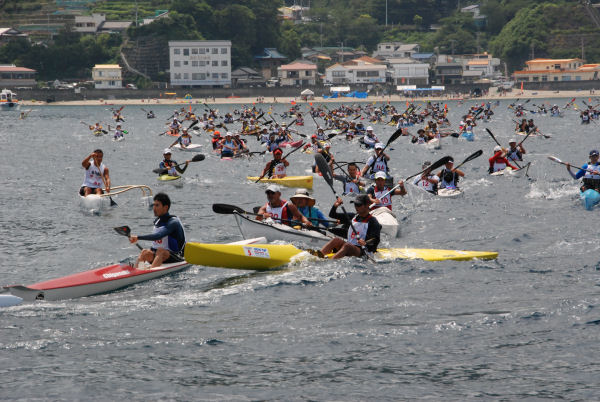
x=525, y=94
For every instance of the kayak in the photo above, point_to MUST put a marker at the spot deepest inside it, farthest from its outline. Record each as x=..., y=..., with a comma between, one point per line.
x=449, y=192
x=267, y=256
x=168, y=178
x=468, y=135
x=589, y=198
x=291, y=144
x=288, y=181
x=387, y=220
x=95, y=203
x=508, y=171
x=9, y=300
x=272, y=231
x=92, y=282
x=189, y=148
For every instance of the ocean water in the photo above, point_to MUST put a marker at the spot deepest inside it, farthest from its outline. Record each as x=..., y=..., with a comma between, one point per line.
x=524, y=326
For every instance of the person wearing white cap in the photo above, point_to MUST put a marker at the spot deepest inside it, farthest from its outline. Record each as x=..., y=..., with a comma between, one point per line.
x=369, y=139
x=589, y=173
x=378, y=193
x=449, y=176
x=376, y=163
x=427, y=180
x=498, y=161
x=306, y=205
x=514, y=152
x=184, y=140
x=280, y=210
x=228, y=146
x=171, y=165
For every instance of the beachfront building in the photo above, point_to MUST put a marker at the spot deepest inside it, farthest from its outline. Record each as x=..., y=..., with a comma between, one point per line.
x=270, y=60
x=386, y=50
x=543, y=70
x=12, y=76
x=298, y=73
x=107, y=76
x=200, y=63
x=407, y=71
x=364, y=70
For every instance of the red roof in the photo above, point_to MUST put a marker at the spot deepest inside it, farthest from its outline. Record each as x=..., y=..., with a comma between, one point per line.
x=16, y=69
x=299, y=66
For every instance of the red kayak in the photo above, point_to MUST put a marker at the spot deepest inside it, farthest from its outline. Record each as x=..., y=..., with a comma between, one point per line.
x=291, y=144
x=92, y=282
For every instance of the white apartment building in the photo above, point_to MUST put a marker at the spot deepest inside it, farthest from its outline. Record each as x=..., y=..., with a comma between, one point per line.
x=405, y=71
x=297, y=73
x=364, y=70
x=107, y=76
x=200, y=62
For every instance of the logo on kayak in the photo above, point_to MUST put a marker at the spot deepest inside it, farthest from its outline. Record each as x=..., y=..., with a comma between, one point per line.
x=115, y=274
x=258, y=252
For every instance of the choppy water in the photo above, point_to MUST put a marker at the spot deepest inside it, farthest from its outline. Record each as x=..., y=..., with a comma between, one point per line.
x=524, y=326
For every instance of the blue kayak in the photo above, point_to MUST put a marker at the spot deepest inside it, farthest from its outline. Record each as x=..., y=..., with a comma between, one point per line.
x=590, y=198
x=468, y=135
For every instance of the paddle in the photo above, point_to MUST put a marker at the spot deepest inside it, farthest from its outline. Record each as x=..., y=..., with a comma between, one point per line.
x=393, y=138
x=283, y=157
x=474, y=155
x=435, y=165
x=126, y=231
x=555, y=159
x=196, y=158
x=227, y=209
x=91, y=125
x=326, y=172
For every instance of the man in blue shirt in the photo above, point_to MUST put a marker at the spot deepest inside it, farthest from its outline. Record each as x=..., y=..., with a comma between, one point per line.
x=168, y=236
x=590, y=172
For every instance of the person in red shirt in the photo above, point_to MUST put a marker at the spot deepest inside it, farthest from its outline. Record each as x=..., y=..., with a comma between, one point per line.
x=498, y=161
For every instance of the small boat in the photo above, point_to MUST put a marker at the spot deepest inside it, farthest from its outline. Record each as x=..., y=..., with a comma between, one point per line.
x=95, y=203
x=508, y=171
x=387, y=220
x=291, y=144
x=288, y=181
x=94, y=281
x=168, y=178
x=589, y=198
x=251, y=228
x=468, y=135
x=449, y=192
x=8, y=100
x=268, y=256
x=189, y=148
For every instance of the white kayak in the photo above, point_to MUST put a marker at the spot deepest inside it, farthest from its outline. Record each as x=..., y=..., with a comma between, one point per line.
x=189, y=148
x=95, y=203
x=387, y=220
x=251, y=228
x=449, y=192
x=508, y=171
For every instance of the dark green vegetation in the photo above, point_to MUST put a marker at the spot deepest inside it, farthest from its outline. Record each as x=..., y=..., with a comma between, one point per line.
x=514, y=30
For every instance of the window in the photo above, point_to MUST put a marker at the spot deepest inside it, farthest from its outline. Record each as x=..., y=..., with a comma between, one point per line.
x=201, y=50
x=555, y=78
x=338, y=73
x=223, y=50
x=177, y=76
x=215, y=76
x=185, y=63
x=194, y=63
x=544, y=78
x=215, y=63
x=566, y=78
x=99, y=73
x=308, y=73
x=112, y=83
x=536, y=78
x=177, y=63
x=215, y=50
x=195, y=50
x=176, y=51
x=201, y=63
x=223, y=63
x=224, y=76
x=186, y=52
x=577, y=78
x=186, y=76
x=198, y=76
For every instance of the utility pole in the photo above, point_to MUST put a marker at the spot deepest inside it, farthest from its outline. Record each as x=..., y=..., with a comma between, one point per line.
x=582, y=50
x=386, y=1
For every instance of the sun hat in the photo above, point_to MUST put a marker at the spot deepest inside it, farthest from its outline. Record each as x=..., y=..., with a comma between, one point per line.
x=380, y=175
x=512, y=140
x=379, y=145
x=303, y=193
x=274, y=188
x=166, y=151
x=369, y=128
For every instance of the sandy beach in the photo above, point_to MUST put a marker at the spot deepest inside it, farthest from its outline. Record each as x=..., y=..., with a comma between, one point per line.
x=515, y=94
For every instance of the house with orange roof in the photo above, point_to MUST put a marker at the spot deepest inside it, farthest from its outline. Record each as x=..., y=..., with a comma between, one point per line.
x=297, y=73
x=544, y=70
x=363, y=70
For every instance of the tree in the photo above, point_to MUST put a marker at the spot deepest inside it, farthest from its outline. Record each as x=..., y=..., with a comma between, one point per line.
x=290, y=44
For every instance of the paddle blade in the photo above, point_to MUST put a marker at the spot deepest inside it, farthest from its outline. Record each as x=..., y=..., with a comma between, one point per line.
x=198, y=158
x=123, y=230
x=226, y=209
x=554, y=159
x=439, y=163
x=394, y=136
x=474, y=155
x=324, y=169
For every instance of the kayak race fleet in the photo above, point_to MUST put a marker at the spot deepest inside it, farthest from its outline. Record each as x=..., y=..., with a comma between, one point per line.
x=284, y=231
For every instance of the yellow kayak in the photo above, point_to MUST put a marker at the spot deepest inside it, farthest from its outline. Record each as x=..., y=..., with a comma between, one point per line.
x=166, y=177
x=288, y=181
x=267, y=256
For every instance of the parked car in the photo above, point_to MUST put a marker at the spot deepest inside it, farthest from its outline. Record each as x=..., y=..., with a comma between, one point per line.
x=273, y=82
x=131, y=86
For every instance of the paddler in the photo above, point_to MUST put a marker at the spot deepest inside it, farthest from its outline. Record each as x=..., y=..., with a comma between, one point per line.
x=184, y=140
x=171, y=165
x=589, y=173
x=427, y=180
x=514, y=152
x=449, y=176
x=96, y=174
x=363, y=233
x=352, y=183
x=118, y=132
x=168, y=236
x=275, y=168
x=306, y=205
x=376, y=163
x=498, y=161
x=378, y=193
x=228, y=146
x=279, y=209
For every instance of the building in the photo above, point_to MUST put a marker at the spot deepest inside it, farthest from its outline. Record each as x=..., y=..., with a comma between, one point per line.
x=12, y=76
x=270, y=60
x=244, y=76
x=543, y=70
x=107, y=76
x=364, y=70
x=88, y=23
x=407, y=71
x=387, y=50
x=300, y=73
x=6, y=34
x=114, y=26
x=200, y=62
x=479, y=19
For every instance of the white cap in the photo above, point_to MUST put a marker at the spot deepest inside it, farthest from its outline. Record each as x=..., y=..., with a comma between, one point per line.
x=167, y=151
x=379, y=145
x=497, y=148
x=512, y=140
x=380, y=175
x=369, y=128
x=274, y=188
x=327, y=145
x=228, y=134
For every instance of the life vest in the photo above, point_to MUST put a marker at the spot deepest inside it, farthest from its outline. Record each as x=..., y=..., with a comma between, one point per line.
x=279, y=214
x=449, y=179
x=93, y=176
x=378, y=165
x=514, y=155
x=361, y=226
x=385, y=201
x=427, y=185
x=276, y=168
